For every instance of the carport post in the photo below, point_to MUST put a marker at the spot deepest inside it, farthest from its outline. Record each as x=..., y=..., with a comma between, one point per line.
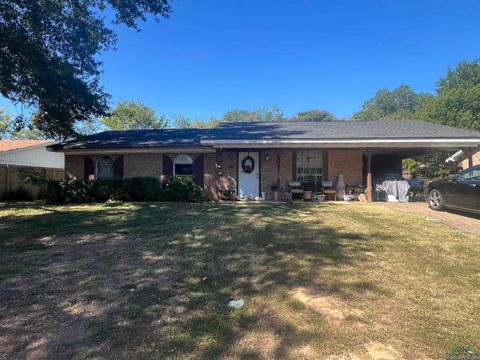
x=469, y=154
x=369, y=178
x=470, y=158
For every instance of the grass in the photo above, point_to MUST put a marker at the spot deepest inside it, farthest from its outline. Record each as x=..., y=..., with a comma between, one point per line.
x=153, y=281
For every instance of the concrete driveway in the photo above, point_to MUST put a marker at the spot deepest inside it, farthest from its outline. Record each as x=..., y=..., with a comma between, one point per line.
x=464, y=222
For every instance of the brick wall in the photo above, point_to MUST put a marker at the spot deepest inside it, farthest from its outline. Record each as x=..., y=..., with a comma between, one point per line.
x=74, y=166
x=147, y=164
x=476, y=161
x=229, y=163
x=269, y=171
x=347, y=163
x=209, y=170
x=143, y=164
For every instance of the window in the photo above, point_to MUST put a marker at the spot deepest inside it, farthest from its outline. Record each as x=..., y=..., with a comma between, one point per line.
x=310, y=169
x=183, y=166
x=105, y=167
x=469, y=175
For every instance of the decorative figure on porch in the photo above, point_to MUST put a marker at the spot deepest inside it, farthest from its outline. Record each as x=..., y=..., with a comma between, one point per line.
x=340, y=186
x=226, y=188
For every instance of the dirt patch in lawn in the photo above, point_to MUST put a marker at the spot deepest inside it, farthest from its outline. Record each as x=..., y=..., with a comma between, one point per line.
x=373, y=350
x=464, y=222
x=334, y=309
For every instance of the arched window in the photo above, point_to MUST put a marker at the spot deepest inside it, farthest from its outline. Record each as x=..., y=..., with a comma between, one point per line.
x=105, y=167
x=183, y=166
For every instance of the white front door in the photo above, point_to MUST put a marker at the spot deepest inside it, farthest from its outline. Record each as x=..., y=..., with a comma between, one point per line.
x=248, y=174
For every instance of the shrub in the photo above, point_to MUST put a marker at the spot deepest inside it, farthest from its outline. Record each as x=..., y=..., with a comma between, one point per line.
x=143, y=188
x=20, y=194
x=123, y=189
x=70, y=191
x=181, y=188
x=112, y=189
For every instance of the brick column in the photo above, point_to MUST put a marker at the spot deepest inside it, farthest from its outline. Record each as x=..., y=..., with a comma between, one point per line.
x=469, y=155
x=470, y=158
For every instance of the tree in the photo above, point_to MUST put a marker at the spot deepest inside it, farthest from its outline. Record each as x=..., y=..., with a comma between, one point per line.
x=401, y=103
x=260, y=115
x=133, y=116
x=10, y=130
x=27, y=133
x=89, y=127
x=49, y=55
x=429, y=167
x=458, y=98
x=315, y=115
x=465, y=75
x=5, y=123
x=457, y=107
x=182, y=122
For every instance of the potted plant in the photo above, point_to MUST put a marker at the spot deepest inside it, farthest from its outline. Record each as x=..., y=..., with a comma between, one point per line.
x=307, y=195
x=275, y=192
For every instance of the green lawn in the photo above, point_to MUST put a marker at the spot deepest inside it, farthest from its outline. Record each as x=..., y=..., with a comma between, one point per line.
x=339, y=281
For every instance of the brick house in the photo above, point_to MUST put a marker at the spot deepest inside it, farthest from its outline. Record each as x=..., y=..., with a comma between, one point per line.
x=262, y=157
x=466, y=158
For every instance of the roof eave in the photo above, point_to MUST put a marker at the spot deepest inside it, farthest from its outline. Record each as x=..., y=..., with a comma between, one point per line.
x=364, y=143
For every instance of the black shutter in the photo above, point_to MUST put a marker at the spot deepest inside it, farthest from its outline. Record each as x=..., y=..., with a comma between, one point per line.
x=118, y=167
x=88, y=167
x=167, y=166
x=198, y=170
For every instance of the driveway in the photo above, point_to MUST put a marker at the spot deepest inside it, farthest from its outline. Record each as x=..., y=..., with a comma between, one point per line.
x=464, y=222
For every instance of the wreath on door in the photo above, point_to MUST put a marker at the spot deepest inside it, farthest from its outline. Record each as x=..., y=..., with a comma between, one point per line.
x=248, y=164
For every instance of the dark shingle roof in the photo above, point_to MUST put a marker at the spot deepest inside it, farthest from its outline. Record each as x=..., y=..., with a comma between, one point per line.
x=335, y=130
x=137, y=139
x=340, y=130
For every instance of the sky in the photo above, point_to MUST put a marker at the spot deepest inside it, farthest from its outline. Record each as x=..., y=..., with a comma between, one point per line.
x=211, y=56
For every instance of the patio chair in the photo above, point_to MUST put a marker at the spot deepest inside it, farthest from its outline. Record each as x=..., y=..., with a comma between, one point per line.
x=294, y=189
x=328, y=190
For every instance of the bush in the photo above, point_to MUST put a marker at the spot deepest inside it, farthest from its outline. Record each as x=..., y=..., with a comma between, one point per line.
x=20, y=194
x=143, y=188
x=122, y=189
x=101, y=190
x=70, y=191
x=181, y=188
x=430, y=167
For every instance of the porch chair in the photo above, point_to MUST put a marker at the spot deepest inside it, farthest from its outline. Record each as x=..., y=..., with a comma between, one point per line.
x=328, y=190
x=294, y=187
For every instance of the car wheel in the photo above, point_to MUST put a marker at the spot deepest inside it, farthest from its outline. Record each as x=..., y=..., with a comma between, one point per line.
x=435, y=200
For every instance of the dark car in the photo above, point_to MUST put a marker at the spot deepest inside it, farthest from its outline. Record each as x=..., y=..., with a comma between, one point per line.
x=460, y=192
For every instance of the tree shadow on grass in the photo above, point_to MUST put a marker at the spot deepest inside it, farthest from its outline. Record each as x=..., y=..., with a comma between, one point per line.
x=153, y=280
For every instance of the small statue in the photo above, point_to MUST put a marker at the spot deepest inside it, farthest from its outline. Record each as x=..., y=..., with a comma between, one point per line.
x=226, y=188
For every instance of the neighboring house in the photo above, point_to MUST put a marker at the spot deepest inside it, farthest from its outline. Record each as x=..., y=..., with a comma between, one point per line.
x=263, y=156
x=465, y=159
x=22, y=158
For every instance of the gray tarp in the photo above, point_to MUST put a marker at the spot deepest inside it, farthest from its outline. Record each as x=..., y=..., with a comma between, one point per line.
x=398, y=188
